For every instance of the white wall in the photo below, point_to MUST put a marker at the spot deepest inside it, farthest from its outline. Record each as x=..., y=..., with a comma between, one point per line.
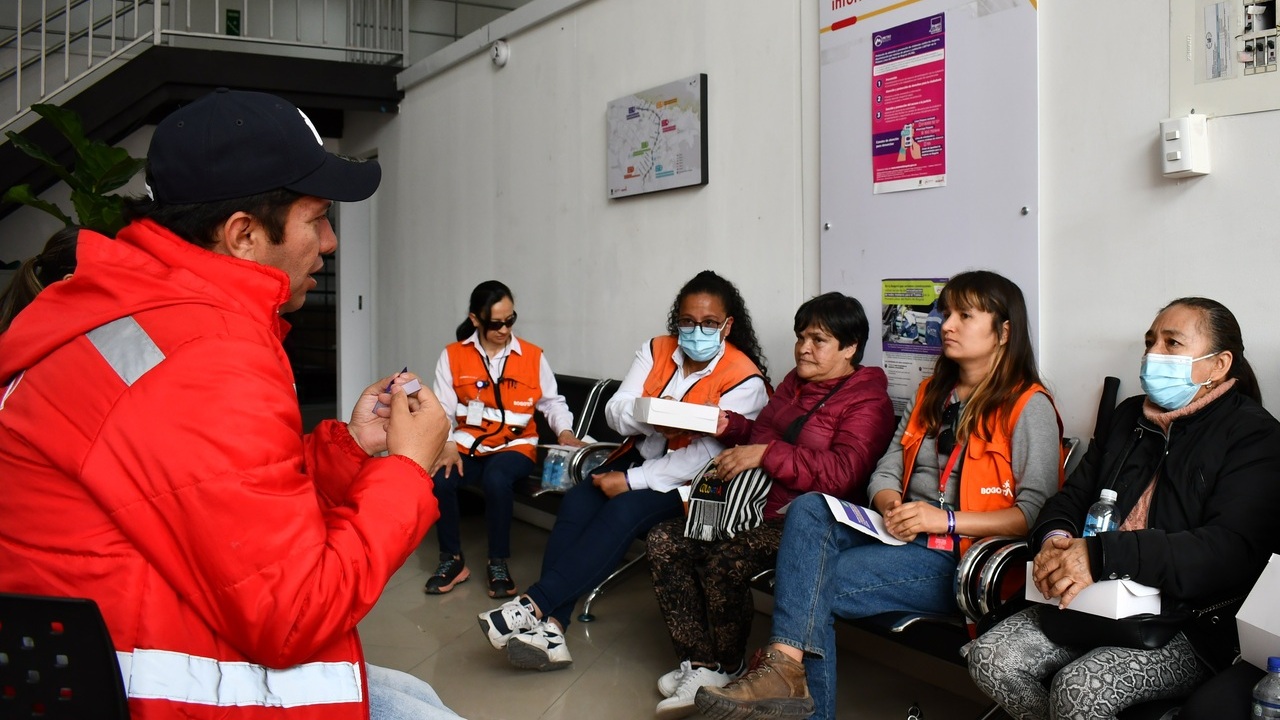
x=501, y=174
x=1118, y=240
x=498, y=173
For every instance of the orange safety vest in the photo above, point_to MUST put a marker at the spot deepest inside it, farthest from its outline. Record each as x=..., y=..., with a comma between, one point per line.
x=733, y=369
x=509, y=401
x=986, y=477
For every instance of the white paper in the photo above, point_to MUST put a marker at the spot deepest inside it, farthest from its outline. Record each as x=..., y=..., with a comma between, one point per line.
x=863, y=519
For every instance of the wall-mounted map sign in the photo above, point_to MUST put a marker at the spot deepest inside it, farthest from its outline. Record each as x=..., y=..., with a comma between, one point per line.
x=658, y=138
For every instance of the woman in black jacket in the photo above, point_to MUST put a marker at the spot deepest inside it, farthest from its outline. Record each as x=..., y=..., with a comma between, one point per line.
x=1196, y=465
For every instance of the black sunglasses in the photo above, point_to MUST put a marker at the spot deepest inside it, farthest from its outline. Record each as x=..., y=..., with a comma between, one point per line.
x=947, y=437
x=496, y=325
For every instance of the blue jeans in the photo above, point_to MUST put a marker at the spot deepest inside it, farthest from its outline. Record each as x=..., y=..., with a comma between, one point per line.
x=826, y=570
x=496, y=474
x=591, y=534
x=394, y=695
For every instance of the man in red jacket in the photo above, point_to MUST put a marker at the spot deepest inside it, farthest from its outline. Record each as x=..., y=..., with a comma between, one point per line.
x=152, y=450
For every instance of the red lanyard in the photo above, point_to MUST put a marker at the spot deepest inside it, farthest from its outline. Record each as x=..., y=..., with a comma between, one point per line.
x=956, y=452
x=946, y=474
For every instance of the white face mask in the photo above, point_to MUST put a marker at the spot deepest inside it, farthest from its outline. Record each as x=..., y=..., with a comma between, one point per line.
x=1166, y=379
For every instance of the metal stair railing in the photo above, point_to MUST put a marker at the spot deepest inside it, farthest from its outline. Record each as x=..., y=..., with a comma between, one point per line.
x=103, y=34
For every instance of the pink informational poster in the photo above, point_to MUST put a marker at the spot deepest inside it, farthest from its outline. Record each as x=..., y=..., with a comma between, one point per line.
x=908, y=98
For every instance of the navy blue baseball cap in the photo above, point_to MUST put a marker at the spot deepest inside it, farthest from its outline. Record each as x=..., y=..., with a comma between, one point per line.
x=231, y=144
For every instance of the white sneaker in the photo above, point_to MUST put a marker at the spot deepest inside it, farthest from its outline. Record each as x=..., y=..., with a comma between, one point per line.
x=542, y=648
x=501, y=623
x=680, y=703
x=668, y=683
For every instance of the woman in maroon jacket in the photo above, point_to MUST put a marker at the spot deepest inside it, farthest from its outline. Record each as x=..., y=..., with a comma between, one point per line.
x=702, y=587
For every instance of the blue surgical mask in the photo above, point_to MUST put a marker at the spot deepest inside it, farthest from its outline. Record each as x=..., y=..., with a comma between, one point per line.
x=1166, y=379
x=697, y=345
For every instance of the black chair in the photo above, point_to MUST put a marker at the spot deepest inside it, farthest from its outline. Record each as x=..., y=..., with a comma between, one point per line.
x=580, y=395
x=598, y=426
x=57, y=660
x=587, y=397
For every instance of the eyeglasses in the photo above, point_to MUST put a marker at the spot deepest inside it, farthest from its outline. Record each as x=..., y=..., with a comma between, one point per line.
x=496, y=325
x=947, y=437
x=708, y=327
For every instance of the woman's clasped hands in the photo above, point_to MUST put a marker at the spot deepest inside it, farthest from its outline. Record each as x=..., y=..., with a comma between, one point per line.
x=906, y=520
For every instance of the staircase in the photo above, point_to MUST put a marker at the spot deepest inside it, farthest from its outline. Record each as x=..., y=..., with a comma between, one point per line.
x=121, y=64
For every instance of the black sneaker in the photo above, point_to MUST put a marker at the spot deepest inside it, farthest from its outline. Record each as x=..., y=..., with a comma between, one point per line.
x=452, y=571
x=500, y=582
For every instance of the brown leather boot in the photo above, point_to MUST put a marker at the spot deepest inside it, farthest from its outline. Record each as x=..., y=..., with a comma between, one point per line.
x=773, y=687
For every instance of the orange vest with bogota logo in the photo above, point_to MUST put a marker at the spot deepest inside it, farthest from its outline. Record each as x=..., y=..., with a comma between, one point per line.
x=733, y=369
x=986, y=477
x=508, y=401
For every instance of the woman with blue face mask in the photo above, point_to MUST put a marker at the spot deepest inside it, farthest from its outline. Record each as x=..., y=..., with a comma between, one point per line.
x=1195, y=464
x=708, y=356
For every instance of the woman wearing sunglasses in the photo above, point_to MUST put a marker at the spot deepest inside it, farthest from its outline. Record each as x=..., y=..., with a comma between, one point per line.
x=977, y=454
x=1194, y=462
x=493, y=381
x=709, y=356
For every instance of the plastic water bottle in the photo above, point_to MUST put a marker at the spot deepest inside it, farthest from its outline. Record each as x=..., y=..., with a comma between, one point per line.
x=553, y=471
x=1102, y=515
x=562, y=471
x=1266, y=694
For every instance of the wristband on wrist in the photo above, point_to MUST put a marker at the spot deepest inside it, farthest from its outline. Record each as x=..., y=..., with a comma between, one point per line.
x=1053, y=534
x=951, y=522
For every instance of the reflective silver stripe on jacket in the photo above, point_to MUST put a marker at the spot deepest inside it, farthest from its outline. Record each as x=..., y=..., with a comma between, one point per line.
x=126, y=347
x=466, y=440
x=183, y=678
x=512, y=417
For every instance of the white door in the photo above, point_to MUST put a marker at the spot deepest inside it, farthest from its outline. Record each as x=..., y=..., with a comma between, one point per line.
x=356, y=234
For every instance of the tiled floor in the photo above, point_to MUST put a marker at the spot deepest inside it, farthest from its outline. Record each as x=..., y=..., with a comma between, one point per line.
x=617, y=658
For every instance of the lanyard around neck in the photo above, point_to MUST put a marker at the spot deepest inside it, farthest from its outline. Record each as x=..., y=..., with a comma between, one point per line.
x=945, y=476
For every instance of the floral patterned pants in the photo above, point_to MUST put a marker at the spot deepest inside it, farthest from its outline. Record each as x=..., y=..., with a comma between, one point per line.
x=704, y=589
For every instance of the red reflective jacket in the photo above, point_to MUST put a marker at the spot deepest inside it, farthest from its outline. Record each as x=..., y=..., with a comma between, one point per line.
x=153, y=458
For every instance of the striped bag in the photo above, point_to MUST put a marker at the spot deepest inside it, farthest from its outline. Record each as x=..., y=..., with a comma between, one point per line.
x=720, y=509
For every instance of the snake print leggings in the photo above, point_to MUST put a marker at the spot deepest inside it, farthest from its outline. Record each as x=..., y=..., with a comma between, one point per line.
x=1012, y=662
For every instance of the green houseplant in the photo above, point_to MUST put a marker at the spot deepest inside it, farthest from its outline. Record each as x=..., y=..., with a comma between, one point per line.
x=98, y=169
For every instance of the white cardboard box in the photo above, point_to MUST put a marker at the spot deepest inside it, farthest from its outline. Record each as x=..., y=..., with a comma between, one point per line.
x=676, y=414
x=1257, y=621
x=1108, y=598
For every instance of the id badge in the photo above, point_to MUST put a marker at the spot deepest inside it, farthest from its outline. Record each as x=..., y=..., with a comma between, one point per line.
x=475, y=413
x=941, y=542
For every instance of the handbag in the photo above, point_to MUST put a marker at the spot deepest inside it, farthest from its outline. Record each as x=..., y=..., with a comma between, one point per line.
x=1147, y=631
x=1213, y=632
x=720, y=508
x=1211, y=629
